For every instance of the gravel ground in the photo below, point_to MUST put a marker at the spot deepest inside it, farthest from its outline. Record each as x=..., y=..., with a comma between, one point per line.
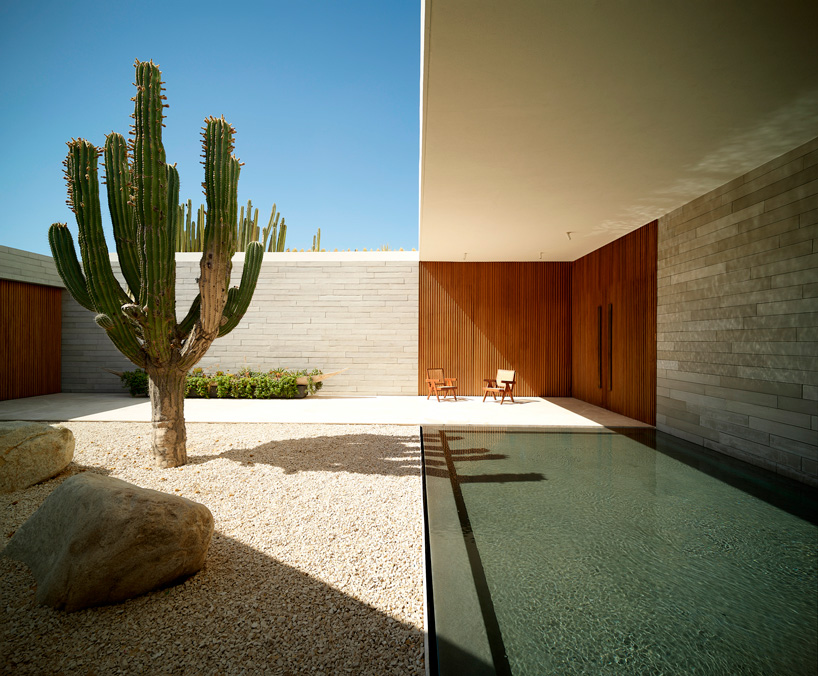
x=315, y=565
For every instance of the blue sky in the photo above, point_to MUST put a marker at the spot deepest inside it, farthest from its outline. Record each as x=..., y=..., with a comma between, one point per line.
x=324, y=97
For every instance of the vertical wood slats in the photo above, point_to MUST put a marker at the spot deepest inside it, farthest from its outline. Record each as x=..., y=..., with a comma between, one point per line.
x=477, y=317
x=585, y=329
x=621, y=275
x=30, y=338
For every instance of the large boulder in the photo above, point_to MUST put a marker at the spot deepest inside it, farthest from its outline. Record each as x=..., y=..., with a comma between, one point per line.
x=98, y=540
x=31, y=452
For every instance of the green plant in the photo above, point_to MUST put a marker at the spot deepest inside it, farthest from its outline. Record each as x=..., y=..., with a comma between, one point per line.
x=143, y=198
x=247, y=384
x=198, y=383
x=136, y=382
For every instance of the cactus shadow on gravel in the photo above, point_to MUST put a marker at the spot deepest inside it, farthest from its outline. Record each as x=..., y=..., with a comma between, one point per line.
x=355, y=453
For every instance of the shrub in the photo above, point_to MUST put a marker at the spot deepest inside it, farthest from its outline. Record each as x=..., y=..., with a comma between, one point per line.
x=247, y=384
x=136, y=382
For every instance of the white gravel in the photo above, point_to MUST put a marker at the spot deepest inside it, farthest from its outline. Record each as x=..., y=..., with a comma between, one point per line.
x=315, y=565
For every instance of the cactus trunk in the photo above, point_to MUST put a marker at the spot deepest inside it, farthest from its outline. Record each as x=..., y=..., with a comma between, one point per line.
x=168, y=435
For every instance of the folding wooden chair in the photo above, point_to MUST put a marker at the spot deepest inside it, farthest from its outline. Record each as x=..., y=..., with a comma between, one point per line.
x=438, y=383
x=503, y=385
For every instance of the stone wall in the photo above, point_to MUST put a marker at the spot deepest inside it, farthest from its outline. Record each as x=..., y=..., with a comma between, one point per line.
x=737, y=323
x=24, y=266
x=327, y=311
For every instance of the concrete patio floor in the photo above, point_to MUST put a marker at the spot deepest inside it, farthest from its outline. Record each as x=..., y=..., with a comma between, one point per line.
x=525, y=412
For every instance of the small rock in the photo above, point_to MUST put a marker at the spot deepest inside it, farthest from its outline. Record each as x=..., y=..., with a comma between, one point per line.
x=98, y=540
x=32, y=452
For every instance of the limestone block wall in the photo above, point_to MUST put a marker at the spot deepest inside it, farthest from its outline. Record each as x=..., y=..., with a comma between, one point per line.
x=737, y=322
x=327, y=311
x=23, y=266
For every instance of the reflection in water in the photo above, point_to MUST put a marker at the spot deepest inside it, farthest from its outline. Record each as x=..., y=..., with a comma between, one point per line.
x=629, y=561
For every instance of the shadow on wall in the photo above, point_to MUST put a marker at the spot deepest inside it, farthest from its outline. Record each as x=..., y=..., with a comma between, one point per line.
x=396, y=456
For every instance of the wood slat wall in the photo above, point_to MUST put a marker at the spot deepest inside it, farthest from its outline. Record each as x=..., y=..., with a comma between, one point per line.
x=621, y=275
x=477, y=317
x=30, y=337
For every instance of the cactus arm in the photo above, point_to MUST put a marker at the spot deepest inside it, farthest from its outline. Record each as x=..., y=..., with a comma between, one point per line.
x=190, y=227
x=221, y=188
x=181, y=228
x=123, y=339
x=271, y=226
x=65, y=257
x=240, y=232
x=118, y=183
x=272, y=239
x=174, y=220
x=151, y=177
x=200, y=226
x=255, y=231
x=246, y=234
x=239, y=302
x=282, y=236
x=83, y=191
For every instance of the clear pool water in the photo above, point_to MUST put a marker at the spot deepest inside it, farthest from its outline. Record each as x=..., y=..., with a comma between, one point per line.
x=614, y=552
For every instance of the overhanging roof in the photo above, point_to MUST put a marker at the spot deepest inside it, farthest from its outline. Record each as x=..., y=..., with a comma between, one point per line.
x=547, y=117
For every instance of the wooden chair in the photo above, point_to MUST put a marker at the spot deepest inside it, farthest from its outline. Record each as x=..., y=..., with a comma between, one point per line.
x=503, y=385
x=439, y=383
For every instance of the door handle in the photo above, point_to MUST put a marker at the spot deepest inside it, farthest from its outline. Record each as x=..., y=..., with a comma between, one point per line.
x=599, y=343
x=610, y=346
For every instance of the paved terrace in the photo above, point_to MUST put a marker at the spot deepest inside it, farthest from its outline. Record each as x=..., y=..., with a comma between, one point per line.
x=320, y=408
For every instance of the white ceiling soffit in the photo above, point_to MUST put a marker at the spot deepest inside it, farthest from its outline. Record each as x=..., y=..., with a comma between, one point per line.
x=547, y=117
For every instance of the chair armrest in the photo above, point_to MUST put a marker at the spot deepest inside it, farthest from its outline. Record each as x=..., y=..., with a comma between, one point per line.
x=451, y=381
x=491, y=382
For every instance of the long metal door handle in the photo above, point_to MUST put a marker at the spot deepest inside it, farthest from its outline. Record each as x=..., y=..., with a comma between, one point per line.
x=610, y=346
x=599, y=343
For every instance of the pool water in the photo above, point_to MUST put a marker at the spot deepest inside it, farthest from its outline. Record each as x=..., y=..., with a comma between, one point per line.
x=611, y=552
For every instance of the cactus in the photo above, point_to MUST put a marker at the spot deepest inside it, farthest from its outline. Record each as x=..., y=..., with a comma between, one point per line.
x=143, y=196
x=278, y=236
x=189, y=235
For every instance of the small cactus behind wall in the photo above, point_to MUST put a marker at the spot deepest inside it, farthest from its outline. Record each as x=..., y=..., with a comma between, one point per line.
x=189, y=235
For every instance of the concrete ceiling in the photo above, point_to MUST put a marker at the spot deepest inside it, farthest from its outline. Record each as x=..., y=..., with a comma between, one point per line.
x=547, y=117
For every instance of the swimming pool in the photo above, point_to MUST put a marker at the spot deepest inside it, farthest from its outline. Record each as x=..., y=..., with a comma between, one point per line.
x=601, y=551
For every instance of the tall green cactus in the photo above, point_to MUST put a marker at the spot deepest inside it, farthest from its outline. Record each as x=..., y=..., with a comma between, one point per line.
x=143, y=199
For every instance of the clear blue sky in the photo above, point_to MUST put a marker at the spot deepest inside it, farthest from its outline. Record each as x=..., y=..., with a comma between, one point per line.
x=324, y=96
